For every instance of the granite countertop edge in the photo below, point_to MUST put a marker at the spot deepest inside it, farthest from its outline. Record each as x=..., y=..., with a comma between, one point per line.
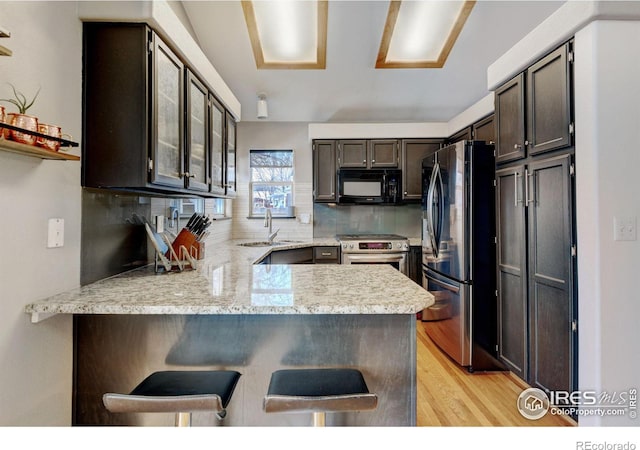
x=225, y=283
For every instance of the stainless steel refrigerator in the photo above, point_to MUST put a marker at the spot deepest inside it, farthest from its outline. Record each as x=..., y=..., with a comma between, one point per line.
x=458, y=253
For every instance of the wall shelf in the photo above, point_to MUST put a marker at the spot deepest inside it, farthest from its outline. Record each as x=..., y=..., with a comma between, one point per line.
x=32, y=150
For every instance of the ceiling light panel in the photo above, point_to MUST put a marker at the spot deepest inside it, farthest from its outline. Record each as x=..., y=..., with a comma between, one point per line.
x=420, y=34
x=287, y=34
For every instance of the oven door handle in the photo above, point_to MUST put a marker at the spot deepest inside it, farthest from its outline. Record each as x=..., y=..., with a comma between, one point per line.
x=377, y=258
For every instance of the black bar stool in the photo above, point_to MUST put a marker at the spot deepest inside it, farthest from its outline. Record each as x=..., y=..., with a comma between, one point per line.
x=179, y=392
x=318, y=391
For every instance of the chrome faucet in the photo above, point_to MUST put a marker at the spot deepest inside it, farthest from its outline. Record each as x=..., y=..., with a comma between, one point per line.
x=268, y=219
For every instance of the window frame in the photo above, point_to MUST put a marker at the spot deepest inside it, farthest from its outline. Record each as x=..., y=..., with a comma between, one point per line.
x=252, y=183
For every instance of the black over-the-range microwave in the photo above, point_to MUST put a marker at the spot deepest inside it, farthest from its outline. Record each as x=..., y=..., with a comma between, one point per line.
x=369, y=186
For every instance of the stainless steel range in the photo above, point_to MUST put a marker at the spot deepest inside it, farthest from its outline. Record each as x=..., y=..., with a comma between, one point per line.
x=375, y=249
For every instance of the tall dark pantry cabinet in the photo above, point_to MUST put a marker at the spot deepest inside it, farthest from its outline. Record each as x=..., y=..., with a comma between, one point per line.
x=536, y=251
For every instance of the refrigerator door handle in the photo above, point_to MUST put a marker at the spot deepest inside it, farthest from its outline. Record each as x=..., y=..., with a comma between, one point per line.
x=429, y=208
x=450, y=287
x=438, y=234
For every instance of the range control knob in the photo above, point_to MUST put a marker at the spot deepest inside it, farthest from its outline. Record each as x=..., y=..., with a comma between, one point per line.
x=350, y=245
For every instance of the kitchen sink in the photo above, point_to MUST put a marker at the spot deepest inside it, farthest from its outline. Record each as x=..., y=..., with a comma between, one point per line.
x=259, y=244
x=267, y=243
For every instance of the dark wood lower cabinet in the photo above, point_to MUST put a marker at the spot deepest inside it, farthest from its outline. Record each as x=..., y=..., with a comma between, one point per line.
x=326, y=255
x=536, y=272
x=512, y=269
x=293, y=256
x=415, y=264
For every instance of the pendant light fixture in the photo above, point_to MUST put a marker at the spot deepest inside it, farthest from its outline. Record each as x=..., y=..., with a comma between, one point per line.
x=263, y=111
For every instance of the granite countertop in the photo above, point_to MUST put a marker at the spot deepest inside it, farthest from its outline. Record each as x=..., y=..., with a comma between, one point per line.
x=229, y=282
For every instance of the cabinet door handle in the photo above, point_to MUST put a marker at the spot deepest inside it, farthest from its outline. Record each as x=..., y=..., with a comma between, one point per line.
x=364, y=161
x=373, y=160
x=326, y=253
x=526, y=186
x=517, y=146
x=532, y=175
x=528, y=175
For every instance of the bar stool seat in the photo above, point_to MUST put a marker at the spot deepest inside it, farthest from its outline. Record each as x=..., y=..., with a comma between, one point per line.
x=179, y=392
x=318, y=391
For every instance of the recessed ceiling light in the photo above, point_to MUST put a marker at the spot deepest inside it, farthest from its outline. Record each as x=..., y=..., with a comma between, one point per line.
x=420, y=34
x=287, y=34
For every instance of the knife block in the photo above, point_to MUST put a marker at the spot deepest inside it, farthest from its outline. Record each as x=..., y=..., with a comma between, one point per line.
x=188, y=240
x=182, y=258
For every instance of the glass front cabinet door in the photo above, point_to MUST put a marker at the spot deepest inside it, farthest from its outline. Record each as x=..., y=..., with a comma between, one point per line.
x=217, y=125
x=167, y=129
x=196, y=175
x=231, y=156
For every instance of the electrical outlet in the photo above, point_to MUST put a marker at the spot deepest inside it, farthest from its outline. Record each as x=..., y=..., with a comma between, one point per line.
x=159, y=224
x=625, y=228
x=55, y=233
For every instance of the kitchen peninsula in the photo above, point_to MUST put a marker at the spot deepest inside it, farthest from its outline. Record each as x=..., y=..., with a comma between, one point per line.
x=234, y=314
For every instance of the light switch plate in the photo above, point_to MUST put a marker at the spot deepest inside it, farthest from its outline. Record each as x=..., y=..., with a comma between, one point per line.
x=55, y=233
x=625, y=228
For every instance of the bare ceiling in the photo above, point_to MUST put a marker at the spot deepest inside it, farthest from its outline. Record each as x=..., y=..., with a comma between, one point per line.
x=350, y=89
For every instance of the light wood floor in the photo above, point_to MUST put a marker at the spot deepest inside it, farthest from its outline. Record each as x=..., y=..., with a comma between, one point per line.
x=449, y=395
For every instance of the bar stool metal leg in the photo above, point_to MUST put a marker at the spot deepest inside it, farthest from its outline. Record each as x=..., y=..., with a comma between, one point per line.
x=183, y=419
x=319, y=419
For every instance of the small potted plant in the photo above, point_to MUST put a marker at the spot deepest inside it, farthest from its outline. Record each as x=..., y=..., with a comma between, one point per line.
x=21, y=119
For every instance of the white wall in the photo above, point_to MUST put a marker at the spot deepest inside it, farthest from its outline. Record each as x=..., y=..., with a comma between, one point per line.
x=274, y=136
x=36, y=359
x=607, y=92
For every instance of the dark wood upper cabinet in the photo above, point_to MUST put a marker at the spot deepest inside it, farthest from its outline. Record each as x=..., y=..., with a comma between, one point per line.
x=148, y=123
x=383, y=153
x=217, y=144
x=324, y=171
x=368, y=154
x=484, y=130
x=230, y=156
x=197, y=132
x=353, y=153
x=549, y=114
x=533, y=110
x=509, y=116
x=413, y=152
x=462, y=135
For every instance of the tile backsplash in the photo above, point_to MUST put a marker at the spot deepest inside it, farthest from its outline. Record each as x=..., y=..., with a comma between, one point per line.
x=331, y=219
x=114, y=239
